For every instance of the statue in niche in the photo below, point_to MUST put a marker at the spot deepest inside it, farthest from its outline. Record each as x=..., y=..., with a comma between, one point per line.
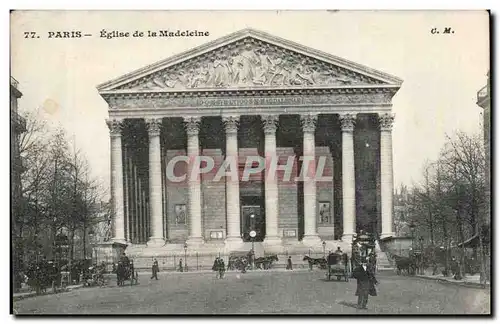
x=180, y=214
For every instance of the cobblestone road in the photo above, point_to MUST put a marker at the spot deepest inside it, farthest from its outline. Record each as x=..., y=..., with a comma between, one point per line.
x=261, y=293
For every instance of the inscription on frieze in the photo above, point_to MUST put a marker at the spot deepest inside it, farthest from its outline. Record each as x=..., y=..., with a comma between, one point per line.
x=311, y=100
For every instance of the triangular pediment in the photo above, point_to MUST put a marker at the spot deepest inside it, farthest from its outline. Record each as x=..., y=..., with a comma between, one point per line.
x=248, y=59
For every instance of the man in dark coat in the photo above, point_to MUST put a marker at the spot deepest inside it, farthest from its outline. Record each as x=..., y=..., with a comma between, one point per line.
x=221, y=268
x=155, y=269
x=216, y=267
x=289, y=263
x=366, y=281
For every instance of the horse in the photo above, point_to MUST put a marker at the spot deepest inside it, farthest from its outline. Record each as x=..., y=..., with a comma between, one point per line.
x=320, y=262
x=265, y=262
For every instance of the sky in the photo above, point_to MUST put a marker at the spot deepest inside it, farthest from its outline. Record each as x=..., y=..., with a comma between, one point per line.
x=441, y=73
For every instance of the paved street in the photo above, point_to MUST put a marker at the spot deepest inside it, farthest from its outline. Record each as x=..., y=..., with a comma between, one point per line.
x=261, y=293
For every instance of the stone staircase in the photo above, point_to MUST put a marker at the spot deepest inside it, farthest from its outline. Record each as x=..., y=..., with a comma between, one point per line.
x=383, y=262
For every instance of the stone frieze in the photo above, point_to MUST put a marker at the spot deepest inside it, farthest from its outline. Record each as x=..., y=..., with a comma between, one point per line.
x=249, y=63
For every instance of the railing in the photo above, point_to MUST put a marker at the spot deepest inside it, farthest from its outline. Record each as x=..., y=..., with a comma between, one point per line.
x=483, y=93
x=198, y=262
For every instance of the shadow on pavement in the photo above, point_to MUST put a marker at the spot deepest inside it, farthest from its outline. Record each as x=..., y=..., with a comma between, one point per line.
x=333, y=280
x=348, y=304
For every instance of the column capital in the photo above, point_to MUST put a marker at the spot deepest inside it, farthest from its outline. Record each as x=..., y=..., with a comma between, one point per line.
x=115, y=126
x=231, y=124
x=192, y=125
x=153, y=126
x=347, y=122
x=270, y=123
x=385, y=121
x=308, y=122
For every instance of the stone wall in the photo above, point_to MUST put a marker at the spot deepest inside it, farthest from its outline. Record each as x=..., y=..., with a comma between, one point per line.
x=214, y=199
x=177, y=194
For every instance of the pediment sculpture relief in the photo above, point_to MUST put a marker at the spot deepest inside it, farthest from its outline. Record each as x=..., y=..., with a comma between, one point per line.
x=249, y=66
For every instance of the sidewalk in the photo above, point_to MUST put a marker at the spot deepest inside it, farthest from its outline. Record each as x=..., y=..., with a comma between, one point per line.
x=468, y=281
x=28, y=294
x=228, y=271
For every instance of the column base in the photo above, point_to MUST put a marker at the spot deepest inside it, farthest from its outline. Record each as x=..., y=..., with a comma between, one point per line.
x=272, y=244
x=156, y=242
x=119, y=240
x=194, y=241
x=386, y=235
x=312, y=241
x=233, y=243
x=347, y=238
x=272, y=240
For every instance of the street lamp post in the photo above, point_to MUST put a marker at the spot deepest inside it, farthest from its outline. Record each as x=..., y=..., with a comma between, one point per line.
x=324, y=247
x=253, y=233
x=185, y=257
x=91, y=238
x=421, y=244
x=412, y=230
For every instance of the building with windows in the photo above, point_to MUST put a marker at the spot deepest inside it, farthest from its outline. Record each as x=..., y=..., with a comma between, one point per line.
x=17, y=127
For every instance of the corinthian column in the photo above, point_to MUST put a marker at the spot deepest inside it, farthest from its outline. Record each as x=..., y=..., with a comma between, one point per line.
x=386, y=176
x=347, y=122
x=308, y=172
x=232, y=185
x=155, y=190
x=118, y=221
x=271, y=183
x=193, y=147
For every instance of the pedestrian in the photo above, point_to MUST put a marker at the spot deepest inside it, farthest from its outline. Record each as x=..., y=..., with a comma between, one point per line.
x=366, y=281
x=289, y=263
x=215, y=267
x=155, y=269
x=244, y=264
x=181, y=269
x=222, y=268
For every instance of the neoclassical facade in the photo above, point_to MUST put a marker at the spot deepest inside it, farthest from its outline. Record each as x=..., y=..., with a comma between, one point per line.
x=243, y=95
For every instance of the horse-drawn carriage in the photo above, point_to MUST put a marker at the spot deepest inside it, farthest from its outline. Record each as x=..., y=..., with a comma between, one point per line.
x=239, y=261
x=338, y=266
x=244, y=261
x=266, y=262
x=94, y=276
